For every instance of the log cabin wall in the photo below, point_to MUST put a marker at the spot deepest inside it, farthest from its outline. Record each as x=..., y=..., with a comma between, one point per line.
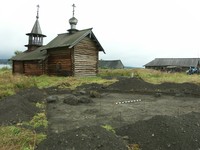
x=85, y=58
x=33, y=67
x=18, y=67
x=59, y=62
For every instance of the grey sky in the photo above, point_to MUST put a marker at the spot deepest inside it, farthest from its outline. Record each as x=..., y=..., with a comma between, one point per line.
x=135, y=31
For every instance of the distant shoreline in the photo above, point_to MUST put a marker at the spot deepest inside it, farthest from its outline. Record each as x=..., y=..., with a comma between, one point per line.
x=5, y=65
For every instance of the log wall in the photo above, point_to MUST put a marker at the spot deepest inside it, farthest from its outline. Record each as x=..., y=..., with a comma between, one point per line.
x=18, y=67
x=85, y=58
x=33, y=68
x=28, y=67
x=59, y=62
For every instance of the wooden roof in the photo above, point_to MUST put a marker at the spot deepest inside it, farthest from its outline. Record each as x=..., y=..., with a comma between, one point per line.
x=182, y=62
x=112, y=64
x=62, y=40
x=38, y=54
x=70, y=40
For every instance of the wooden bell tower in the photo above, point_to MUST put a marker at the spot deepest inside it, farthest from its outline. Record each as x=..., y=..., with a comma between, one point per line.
x=35, y=37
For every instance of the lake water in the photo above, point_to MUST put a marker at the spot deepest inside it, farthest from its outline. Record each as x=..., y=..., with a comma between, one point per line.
x=2, y=65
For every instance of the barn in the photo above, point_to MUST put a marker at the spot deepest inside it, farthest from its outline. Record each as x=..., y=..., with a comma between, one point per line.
x=111, y=64
x=173, y=64
x=75, y=53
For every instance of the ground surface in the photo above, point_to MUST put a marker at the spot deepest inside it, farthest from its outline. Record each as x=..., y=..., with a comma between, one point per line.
x=153, y=117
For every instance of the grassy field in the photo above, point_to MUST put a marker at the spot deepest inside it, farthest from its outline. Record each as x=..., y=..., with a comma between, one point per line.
x=10, y=84
x=15, y=137
x=152, y=76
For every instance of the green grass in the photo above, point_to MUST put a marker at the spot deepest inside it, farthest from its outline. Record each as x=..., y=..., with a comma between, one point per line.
x=152, y=76
x=109, y=128
x=17, y=138
x=39, y=120
x=10, y=84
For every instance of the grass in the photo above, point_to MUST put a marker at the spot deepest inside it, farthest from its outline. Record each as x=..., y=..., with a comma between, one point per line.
x=10, y=84
x=152, y=76
x=109, y=128
x=39, y=119
x=17, y=138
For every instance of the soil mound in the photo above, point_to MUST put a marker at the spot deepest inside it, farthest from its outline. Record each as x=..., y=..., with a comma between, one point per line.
x=188, y=89
x=84, y=138
x=33, y=94
x=92, y=86
x=140, y=86
x=131, y=84
x=56, y=90
x=165, y=132
x=15, y=109
x=20, y=107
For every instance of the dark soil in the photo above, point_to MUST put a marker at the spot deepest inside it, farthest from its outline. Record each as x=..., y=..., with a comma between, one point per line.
x=136, y=85
x=20, y=107
x=140, y=86
x=84, y=138
x=165, y=132
x=81, y=123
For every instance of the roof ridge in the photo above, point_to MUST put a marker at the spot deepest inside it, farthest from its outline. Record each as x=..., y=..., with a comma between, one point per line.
x=76, y=32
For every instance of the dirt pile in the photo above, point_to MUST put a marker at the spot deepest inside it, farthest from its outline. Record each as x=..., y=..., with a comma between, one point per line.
x=180, y=89
x=140, y=86
x=15, y=109
x=165, y=132
x=33, y=94
x=84, y=138
x=20, y=107
x=131, y=84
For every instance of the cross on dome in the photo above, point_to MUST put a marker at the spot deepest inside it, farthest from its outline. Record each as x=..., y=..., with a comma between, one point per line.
x=73, y=21
x=73, y=9
x=38, y=6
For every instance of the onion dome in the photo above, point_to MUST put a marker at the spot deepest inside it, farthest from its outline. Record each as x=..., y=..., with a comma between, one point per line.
x=73, y=22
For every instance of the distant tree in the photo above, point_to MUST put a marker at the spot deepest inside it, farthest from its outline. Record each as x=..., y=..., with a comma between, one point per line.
x=17, y=52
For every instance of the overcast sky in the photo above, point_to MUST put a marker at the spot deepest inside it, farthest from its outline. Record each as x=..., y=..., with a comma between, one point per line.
x=134, y=31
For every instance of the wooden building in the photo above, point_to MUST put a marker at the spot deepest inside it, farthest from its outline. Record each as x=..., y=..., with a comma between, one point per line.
x=111, y=64
x=75, y=53
x=173, y=64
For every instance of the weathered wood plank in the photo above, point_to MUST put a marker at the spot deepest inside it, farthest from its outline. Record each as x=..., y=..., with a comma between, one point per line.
x=85, y=58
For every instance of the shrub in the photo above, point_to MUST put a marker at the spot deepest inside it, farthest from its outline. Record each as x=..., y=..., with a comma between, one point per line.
x=39, y=120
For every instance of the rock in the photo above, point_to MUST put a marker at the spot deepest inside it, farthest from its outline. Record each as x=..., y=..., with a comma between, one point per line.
x=71, y=100
x=82, y=92
x=52, y=99
x=95, y=94
x=85, y=100
x=91, y=111
x=158, y=94
x=179, y=94
x=125, y=137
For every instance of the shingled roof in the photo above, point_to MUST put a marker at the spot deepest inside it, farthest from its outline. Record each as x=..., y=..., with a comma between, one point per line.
x=38, y=54
x=111, y=64
x=182, y=62
x=70, y=40
x=62, y=40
